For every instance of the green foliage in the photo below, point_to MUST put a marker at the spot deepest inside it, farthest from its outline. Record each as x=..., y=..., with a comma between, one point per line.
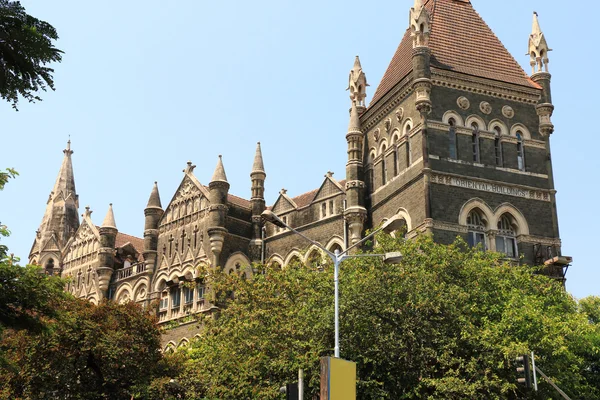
x=446, y=323
x=5, y=176
x=26, y=47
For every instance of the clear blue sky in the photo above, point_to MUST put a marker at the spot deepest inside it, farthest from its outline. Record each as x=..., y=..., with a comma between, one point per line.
x=147, y=85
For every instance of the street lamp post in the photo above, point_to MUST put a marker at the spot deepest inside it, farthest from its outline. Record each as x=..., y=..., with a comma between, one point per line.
x=337, y=257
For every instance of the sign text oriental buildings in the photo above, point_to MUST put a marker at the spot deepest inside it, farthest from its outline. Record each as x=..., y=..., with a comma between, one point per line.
x=456, y=141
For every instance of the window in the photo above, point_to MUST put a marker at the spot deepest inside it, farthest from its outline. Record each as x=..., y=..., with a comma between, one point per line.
x=331, y=210
x=520, y=152
x=476, y=226
x=383, y=166
x=475, y=140
x=498, y=146
x=452, y=138
x=323, y=210
x=200, y=289
x=370, y=179
x=396, y=169
x=505, y=239
x=188, y=295
x=175, y=297
x=407, y=129
x=164, y=301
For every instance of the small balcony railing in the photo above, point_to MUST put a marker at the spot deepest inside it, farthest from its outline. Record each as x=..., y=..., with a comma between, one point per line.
x=128, y=272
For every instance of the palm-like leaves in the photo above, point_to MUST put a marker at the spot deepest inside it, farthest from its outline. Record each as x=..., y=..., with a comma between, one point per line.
x=26, y=47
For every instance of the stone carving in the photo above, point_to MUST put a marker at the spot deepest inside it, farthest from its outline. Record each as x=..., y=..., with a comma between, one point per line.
x=399, y=114
x=463, y=103
x=188, y=189
x=388, y=125
x=485, y=107
x=508, y=112
x=376, y=134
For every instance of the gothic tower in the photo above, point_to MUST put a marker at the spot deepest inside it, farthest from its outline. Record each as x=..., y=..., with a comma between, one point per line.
x=219, y=189
x=153, y=213
x=60, y=221
x=108, y=235
x=258, y=176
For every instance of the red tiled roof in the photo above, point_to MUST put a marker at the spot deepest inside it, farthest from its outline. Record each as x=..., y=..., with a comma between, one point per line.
x=460, y=41
x=306, y=198
x=136, y=242
x=238, y=201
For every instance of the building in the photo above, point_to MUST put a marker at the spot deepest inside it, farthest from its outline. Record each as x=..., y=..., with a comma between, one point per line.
x=456, y=141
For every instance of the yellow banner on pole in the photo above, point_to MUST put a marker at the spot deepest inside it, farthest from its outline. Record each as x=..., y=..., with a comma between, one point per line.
x=338, y=379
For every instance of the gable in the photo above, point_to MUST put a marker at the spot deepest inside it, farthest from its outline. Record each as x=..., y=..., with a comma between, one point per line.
x=283, y=204
x=328, y=189
x=85, y=242
x=190, y=197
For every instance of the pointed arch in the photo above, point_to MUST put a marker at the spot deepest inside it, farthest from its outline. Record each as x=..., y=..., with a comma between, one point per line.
x=293, y=256
x=472, y=204
x=184, y=342
x=314, y=254
x=383, y=146
x=170, y=347
x=124, y=293
x=275, y=259
x=515, y=213
x=458, y=121
x=238, y=262
x=396, y=135
x=407, y=126
x=335, y=241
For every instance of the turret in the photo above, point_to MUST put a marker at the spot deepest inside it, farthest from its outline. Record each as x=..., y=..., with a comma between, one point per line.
x=258, y=176
x=108, y=236
x=153, y=213
x=420, y=27
x=355, y=213
x=60, y=221
x=219, y=189
x=538, y=52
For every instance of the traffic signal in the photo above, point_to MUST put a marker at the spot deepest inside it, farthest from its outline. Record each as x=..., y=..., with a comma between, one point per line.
x=523, y=371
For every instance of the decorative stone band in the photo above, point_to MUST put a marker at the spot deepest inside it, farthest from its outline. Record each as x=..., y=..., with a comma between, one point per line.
x=492, y=187
x=484, y=86
x=354, y=184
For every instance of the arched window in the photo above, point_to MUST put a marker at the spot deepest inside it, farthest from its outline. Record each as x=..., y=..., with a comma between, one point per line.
x=475, y=140
x=476, y=226
x=505, y=238
x=520, y=151
x=452, y=138
x=331, y=210
x=50, y=266
x=407, y=129
x=383, y=166
x=396, y=168
x=498, y=146
x=323, y=210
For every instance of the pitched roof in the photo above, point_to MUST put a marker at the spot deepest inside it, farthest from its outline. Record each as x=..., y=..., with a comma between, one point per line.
x=460, y=41
x=305, y=199
x=238, y=201
x=122, y=239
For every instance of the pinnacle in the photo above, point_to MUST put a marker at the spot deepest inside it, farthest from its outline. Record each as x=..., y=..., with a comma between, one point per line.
x=357, y=65
x=154, y=200
x=535, y=29
x=354, y=125
x=258, y=165
x=109, y=220
x=219, y=175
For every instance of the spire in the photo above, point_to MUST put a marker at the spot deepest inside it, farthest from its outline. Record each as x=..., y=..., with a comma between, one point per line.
x=154, y=200
x=109, y=220
x=65, y=182
x=258, y=165
x=219, y=175
x=61, y=218
x=354, y=126
x=357, y=84
x=538, y=48
x=418, y=5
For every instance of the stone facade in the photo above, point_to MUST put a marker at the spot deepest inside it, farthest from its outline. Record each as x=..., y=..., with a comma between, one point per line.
x=453, y=145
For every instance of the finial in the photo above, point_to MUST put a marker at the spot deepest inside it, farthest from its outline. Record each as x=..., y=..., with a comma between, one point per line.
x=357, y=84
x=283, y=191
x=68, y=150
x=87, y=213
x=329, y=174
x=189, y=168
x=258, y=165
x=538, y=48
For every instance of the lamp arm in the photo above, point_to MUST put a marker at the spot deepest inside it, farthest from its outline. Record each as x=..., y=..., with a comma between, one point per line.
x=319, y=245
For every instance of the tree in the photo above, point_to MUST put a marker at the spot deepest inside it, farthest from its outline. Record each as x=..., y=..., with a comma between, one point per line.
x=109, y=351
x=26, y=48
x=446, y=323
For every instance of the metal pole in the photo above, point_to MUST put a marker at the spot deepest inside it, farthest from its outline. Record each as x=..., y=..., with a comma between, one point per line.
x=563, y=394
x=336, y=271
x=301, y=385
x=534, y=374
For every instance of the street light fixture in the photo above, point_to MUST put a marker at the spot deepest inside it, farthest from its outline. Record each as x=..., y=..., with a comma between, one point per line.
x=337, y=257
